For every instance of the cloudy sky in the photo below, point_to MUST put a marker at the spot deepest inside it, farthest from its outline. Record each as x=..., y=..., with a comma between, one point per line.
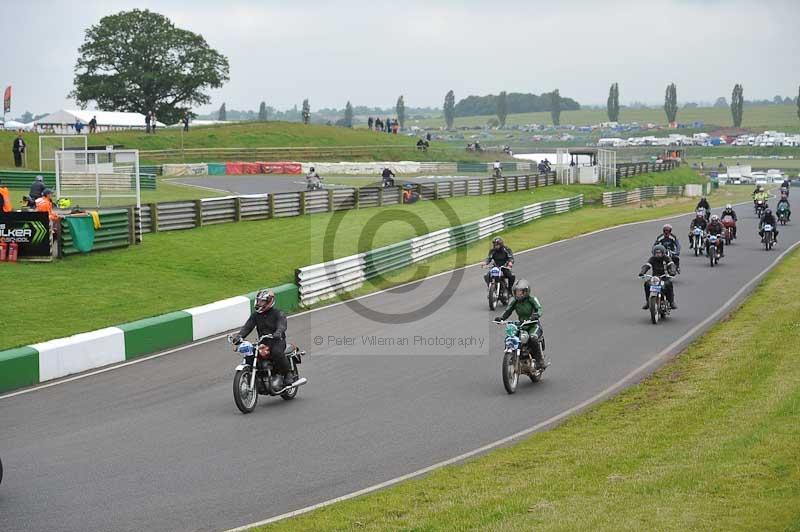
x=371, y=51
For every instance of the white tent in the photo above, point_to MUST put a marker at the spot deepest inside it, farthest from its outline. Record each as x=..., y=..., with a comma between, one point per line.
x=63, y=121
x=13, y=125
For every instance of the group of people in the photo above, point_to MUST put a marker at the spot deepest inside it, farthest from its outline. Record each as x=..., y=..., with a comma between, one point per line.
x=150, y=122
x=390, y=125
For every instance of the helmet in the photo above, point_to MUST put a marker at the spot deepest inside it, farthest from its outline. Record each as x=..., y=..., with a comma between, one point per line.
x=39, y=178
x=264, y=300
x=497, y=241
x=64, y=203
x=522, y=289
x=667, y=228
x=728, y=207
x=659, y=249
x=714, y=218
x=311, y=169
x=46, y=192
x=768, y=211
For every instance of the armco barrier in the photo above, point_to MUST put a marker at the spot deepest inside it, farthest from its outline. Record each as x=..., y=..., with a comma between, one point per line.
x=623, y=197
x=326, y=280
x=114, y=232
x=32, y=364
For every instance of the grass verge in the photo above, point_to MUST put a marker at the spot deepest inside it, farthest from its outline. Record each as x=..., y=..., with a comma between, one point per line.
x=709, y=442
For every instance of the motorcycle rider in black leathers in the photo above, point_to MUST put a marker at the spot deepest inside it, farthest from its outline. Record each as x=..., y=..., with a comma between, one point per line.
x=500, y=255
x=703, y=204
x=768, y=218
x=267, y=319
x=697, y=221
x=660, y=264
x=671, y=244
x=730, y=212
x=715, y=227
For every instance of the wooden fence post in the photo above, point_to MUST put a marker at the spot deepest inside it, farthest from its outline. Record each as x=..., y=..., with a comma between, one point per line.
x=356, y=197
x=271, y=203
x=380, y=196
x=302, y=202
x=198, y=213
x=154, y=217
x=237, y=209
x=131, y=226
x=330, y=200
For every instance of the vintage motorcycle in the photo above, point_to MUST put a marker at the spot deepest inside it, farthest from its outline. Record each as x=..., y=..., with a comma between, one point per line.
x=729, y=224
x=697, y=240
x=760, y=206
x=768, y=238
x=658, y=304
x=712, y=249
x=498, y=287
x=517, y=358
x=255, y=375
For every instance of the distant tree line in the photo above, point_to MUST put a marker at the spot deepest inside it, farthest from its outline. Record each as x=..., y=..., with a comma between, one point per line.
x=515, y=102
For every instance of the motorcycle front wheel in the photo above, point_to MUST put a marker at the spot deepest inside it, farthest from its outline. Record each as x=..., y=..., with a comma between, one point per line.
x=244, y=396
x=654, y=315
x=510, y=372
x=492, y=295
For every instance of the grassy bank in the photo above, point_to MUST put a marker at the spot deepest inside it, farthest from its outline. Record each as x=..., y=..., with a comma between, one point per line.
x=179, y=269
x=709, y=442
x=254, y=135
x=759, y=117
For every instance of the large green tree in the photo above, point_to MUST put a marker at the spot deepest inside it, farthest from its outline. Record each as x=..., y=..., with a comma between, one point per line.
x=139, y=61
x=502, y=108
x=449, y=109
x=306, y=111
x=737, y=105
x=348, y=115
x=262, y=112
x=401, y=112
x=555, y=107
x=671, y=102
x=612, y=106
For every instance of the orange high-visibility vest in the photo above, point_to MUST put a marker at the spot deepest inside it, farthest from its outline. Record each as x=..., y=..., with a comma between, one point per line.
x=44, y=204
x=7, y=207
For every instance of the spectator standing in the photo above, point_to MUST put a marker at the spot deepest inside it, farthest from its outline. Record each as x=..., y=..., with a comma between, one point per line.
x=186, y=122
x=428, y=136
x=78, y=126
x=18, y=149
x=93, y=125
x=369, y=123
x=153, y=122
x=147, y=123
x=388, y=125
x=5, y=199
x=395, y=126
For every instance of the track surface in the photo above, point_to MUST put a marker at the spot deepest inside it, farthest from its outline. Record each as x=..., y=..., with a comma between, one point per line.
x=160, y=445
x=263, y=184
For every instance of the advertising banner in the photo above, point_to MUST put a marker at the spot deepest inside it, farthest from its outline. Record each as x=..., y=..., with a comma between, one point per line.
x=31, y=230
x=7, y=100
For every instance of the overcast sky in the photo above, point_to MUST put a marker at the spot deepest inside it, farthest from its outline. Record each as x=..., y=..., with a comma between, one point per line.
x=371, y=51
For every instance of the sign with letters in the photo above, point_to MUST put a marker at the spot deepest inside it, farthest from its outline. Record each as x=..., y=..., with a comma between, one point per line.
x=31, y=230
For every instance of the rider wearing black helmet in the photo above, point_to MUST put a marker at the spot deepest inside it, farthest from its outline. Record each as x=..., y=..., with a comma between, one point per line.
x=716, y=228
x=267, y=319
x=500, y=255
x=661, y=265
x=768, y=218
x=670, y=242
x=527, y=307
x=703, y=204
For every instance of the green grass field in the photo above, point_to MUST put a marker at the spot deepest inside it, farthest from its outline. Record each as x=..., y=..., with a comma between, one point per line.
x=781, y=117
x=180, y=269
x=709, y=442
x=252, y=135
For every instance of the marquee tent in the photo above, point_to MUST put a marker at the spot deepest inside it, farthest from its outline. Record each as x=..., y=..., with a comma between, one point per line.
x=63, y=121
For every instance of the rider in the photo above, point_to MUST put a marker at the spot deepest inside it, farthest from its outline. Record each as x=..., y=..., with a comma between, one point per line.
x=661, y=265
x=703, y=204
x=267, y=319
x=730, y=212
x=312, y=177
x=785, y=186
x=698, y=221
x=715, y=227
x=388, y=177
x=783, y=205
x=527, y=307
x=761, y=195
x=670, y=242
x=497, y=168
x=501, y=256
x=768, y=218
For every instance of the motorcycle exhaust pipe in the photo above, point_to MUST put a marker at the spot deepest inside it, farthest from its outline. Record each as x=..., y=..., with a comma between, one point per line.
x=299, y=382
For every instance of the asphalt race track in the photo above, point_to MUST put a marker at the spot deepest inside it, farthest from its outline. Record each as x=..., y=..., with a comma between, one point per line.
x=263, y=184
x=160, y=445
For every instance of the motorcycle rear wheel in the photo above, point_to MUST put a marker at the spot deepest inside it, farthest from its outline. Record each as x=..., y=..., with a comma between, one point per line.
x=245, y=402
x=510, y=372
x=290, y=394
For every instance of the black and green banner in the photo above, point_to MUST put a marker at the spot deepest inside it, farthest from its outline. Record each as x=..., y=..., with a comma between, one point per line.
x=31, y=230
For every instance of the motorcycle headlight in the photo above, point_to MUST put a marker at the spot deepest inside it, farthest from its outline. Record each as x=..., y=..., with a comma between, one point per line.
x=655, y=281
x=524, y=336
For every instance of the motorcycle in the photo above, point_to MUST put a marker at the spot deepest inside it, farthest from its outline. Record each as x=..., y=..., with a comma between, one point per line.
x=657, y=302
x=761, y=206
x=497, y=173
x=783, y=216
x=729, y=224
x=388, y=182
x=712, y=249
x=498, y=287
x=697, y=240
x=768, y=238
x=314, y=183
x=517, y=358
x=254, y=376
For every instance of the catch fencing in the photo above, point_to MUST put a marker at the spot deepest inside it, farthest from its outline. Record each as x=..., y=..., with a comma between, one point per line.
x=326, y=280
x=22, y=179
x=116, y=231
x=175, y=215
x=614, y=199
